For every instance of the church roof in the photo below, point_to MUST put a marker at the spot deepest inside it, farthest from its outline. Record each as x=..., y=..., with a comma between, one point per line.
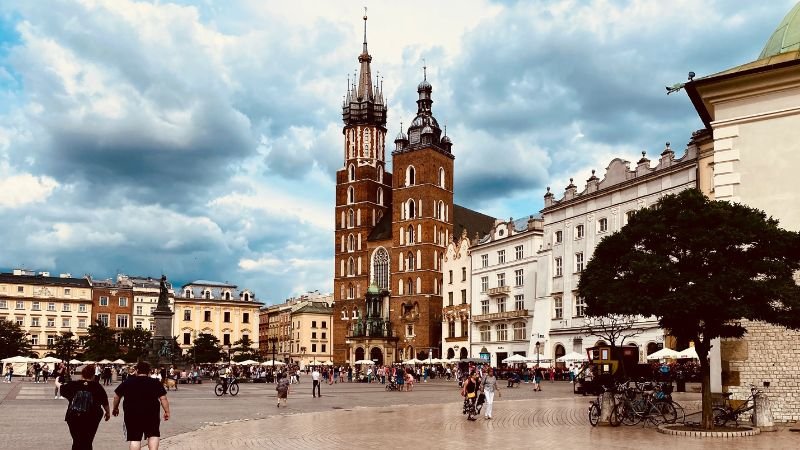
x=382, y=230
x=472, y=221
x=786, y=37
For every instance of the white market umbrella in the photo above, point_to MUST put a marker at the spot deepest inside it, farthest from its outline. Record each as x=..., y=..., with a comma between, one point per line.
x=88, y=361
x=104, y=361
x=515, y=359
x=327, y=363
x=689, y=353
x=75, y=361
x=413, y=361
x=50, y=359
x=272, y=363
x=664, y=353
x=247, y=362
x=572, y=357
x=537, y=358
x=18, y=360
x=365, y=361
x=118, y=361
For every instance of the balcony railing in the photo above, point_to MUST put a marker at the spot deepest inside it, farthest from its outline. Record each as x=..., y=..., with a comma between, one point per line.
x=370, y=328
x=500, y=290
x=501, y=315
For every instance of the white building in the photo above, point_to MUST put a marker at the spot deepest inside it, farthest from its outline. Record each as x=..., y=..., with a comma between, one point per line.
x=456, y=295
x=504, y=287
x=575, y=224
x=145, y=299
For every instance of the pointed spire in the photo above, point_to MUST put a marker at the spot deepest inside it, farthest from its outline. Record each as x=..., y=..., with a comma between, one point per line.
x=365, y=77
x=365, y=30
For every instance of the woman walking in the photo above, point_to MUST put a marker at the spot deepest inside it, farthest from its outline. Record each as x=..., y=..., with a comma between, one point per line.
x=283, y=390
x=537, y=379
x=489, y=388
x=87, y=400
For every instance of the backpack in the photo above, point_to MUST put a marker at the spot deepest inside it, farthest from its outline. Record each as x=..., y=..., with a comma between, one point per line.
x=82, y=403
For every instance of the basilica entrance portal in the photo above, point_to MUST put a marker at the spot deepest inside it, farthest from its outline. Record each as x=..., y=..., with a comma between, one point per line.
x=376, y=355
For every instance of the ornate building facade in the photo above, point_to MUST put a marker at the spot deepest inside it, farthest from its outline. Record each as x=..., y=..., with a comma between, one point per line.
x=391, y=229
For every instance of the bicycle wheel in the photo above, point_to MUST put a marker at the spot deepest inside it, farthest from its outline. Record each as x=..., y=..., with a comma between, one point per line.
x=720, y=416
x=594, y=414
x=628, y=413
x=234, y=389
x=668, y=411
x=219, y=390
x=615, y=419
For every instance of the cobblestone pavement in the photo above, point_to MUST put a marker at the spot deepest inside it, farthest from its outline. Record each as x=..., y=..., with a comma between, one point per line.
x=354, y=414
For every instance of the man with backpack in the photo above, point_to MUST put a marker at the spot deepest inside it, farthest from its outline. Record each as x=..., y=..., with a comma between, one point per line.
x=142, y=398
x=87, y=400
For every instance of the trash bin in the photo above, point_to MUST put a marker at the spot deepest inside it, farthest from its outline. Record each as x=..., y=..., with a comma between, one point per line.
x=680, y=382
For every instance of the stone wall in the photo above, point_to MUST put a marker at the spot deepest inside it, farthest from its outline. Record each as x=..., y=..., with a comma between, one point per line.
x=770, y=354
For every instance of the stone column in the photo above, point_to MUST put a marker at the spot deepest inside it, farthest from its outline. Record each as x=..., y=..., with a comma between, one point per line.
x=762, y=413
x=606, y=408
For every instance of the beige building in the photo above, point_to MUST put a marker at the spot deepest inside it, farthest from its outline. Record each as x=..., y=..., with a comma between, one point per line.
x=219, y=309
x=457, y=269
x=311, y=332
x=45, y=306
x=752, y=113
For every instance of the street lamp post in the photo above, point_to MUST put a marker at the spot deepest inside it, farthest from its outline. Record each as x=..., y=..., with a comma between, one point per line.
x=537, y=354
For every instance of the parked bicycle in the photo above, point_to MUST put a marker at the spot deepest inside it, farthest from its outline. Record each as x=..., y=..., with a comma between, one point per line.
x=642, y=402
x=596, y=408
x=227, y=386
x=727, y=413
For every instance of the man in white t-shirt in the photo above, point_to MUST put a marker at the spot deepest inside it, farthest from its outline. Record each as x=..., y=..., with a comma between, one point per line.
x=315, y=388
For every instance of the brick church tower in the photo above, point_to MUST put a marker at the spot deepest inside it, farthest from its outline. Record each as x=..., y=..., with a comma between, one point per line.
x=421, y=228
x=363, y=195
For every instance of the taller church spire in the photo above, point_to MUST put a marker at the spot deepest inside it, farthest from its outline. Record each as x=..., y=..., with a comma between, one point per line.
x=365, y=76
x=364, y=103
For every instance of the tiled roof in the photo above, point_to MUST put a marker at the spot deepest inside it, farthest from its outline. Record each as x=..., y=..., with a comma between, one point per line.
x=10, y=278
x=382, y=230
x=472, y=221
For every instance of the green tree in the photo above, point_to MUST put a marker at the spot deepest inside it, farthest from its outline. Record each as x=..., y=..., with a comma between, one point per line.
x=135, y=343
x=205, y=349
x=700, y=267
x=13, y=341
x=100, y=342
x=243, y=349
x=65, y=346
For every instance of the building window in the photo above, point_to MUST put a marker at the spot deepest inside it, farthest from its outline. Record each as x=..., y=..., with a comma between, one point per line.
x=187, y=314
x=67, y=292
x=34, y=306
x=3, y=304
x=580, y=307
x=351, y=218
x=463, y=296
x=313, y=335
x=519, y=331
x=34, y=321
x=122, y=321
x=451, y=329
x=66, y=307
x=501, y=279
x=20, y=289
x=628, y=216
x=51, y=306
x=519, y=277
x=65, y=323
x=380, y=196
x=449, y=299
x=187, y=339
x=579, y=262
x=123, y=302
x=103, y=301
x=410, y=235
x=103, y=318
x=246, y=296
x=81, y=323
x=501, y=305
x=464, y=327
x=602, y=225
x=519, y=253
x=351, y=173
x=324, y=335
x=559, y=236
x=34, y=339
x=441, y=177
x=51, y=340
x=411, y=264
x=410, y=176
x=351, y=195
x=463, y=274
x=558, y=307
x=226, y=316
x=485, y=332
x=139, y=311
x=246, y=318
x=559, y=266
x=484, y=261
x=485, y=306
x=579, y=232
x=20, y=304
x=484, y=284
x=206, y=316
x=226, y=339
x=187, y=293
x=381, y=268
x=519, y=302
x=351, y=266
x=20, y=321
x=313, y=348
x=501, y=256
x=502, y=332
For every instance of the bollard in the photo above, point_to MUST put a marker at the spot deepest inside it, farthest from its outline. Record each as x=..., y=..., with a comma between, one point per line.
x=762, y=413
x=606, y=407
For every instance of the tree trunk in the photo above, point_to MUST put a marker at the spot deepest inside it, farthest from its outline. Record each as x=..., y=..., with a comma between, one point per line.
x=702, y=349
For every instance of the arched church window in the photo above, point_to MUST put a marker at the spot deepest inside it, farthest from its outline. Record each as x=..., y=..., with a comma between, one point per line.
x=409, y=287
x=410, y=234
x=351, y=292
x=247, y=296
x=411, y=263
x=441, y=177
x=351, y=218
x=411, y=176
x=380, y=196
x=380, y=268
x=351, y=173
x=351, y=243
x=351, y=195
x=411, y=207
x=351, y=266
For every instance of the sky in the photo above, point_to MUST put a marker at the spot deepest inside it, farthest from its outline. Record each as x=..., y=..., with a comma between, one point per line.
x=200, y=139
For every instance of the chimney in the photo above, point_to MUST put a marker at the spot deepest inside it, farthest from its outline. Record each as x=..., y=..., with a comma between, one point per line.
x=548, y=198
x=643, y=166
x=592, y=183
x=667, y=156
x=570, y=191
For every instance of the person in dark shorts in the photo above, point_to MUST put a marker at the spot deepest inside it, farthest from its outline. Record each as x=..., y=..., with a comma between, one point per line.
x=142, y=396
x=83, y=420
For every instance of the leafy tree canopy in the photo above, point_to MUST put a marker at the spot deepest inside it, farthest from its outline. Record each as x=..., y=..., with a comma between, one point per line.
x=205, y=349
x=65, y=346
x=13, y=341
x=243, y=349
x=100, y=342
x=135, y=343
